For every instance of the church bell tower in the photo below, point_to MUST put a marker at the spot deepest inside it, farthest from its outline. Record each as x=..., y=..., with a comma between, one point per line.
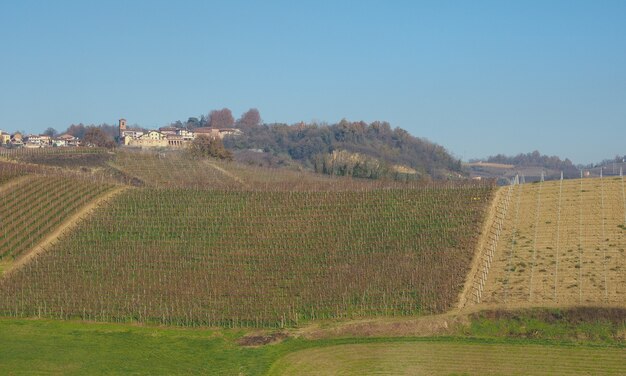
x=122, y=127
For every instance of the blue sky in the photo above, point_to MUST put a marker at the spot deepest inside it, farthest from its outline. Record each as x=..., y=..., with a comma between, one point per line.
x=478, y=77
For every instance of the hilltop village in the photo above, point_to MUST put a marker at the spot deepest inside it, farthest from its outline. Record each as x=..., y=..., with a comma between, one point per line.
x=19, y=140
x=170, y=136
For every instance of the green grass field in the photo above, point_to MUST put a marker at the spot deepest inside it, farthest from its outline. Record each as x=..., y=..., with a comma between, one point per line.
x=450, y=357
x=31, y=347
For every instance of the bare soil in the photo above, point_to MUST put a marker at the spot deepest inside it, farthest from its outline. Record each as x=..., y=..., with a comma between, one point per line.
x=255, y=340
x=424, y=326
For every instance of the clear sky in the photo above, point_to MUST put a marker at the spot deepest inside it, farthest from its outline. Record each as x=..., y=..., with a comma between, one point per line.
x=478, y=77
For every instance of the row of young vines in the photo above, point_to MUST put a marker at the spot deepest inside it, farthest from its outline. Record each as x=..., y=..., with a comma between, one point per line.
x=176, y=169
x=16, y=153
x=32, y=207
x=256, y=258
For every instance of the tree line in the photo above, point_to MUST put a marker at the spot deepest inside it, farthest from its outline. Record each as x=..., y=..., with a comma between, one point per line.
x=222, y=119
x=347, y=148
x=535, y=159
x=356, y=149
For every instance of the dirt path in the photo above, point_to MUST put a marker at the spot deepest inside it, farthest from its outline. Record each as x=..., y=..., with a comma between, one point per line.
x=481, y=245
x=422, y=326
x=67, y=225
x=448, y=323
x=229, y=174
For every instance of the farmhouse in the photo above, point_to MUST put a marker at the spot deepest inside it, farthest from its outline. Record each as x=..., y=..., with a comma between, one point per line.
x=66, y=140
x=185, y=134
x=5, y=138
x=168, y=130
x=218, y=132
x=36, y=141
x=153, y=136
x=16, y=139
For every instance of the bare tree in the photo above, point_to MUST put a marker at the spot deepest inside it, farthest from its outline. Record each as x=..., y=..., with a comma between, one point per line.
x=50, y=132
x=221, y=118
x=249, y=119
x=211, y=147
x=95, y=136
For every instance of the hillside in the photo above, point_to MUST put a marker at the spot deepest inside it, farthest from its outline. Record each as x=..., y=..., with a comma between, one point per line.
x=31, y=206
x=175, y=169
x=246, y=258
x=64, y=157
x=356, y=149
x=315, y=273
x=530, y=166
x=555, y=243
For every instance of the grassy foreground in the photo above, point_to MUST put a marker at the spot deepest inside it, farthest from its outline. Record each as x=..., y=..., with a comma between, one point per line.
x=447, y=357
x=75, y=347
x=78, y=348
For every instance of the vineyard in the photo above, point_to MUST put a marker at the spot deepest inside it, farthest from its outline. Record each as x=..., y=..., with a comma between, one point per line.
x=10, y=170
x=175, y=169
x=204, y=242
x=172, y=170
x=32, y=205
x=556, y=243
x=257, y=258
x=65, y=157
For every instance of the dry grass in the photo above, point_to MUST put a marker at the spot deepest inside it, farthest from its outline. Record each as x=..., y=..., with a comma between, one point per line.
x=561, y=243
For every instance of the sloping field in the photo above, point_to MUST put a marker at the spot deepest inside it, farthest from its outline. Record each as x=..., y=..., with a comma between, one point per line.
x=31, y=206
x=445, y=358
x=66, y=157
x=556, y=243
x=175, y=169
x=172, y=170
x=10, y=170
x=249, y=258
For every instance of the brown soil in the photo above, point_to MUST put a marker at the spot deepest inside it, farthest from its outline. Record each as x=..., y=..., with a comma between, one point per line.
x=453, y=322
x=424, y=326
x=492, y=165
x=481, y=245
x=228, y=174
x=262, y=339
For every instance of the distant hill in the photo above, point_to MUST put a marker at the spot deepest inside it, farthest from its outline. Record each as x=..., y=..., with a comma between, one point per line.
x=535, y=159
x=357, y=149
x=529, y=165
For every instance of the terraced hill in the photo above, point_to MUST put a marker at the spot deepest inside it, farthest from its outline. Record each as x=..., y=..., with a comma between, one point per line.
x=554, y=243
